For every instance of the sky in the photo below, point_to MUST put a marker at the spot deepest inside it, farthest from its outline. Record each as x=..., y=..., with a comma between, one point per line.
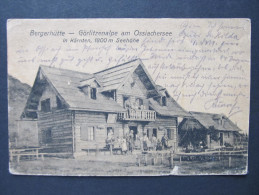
x=203, y=63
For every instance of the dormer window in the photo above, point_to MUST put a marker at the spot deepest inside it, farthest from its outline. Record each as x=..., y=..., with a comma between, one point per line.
x=164, y=101
x=221, y=121
x=89, y=87
x=93, y=93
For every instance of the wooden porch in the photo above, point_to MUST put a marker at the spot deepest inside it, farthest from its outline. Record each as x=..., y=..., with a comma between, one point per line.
x=137, y=115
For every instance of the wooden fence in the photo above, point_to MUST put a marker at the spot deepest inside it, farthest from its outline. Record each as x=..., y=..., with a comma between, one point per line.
x=167, y=157
x=155, y=158
x=16, y=154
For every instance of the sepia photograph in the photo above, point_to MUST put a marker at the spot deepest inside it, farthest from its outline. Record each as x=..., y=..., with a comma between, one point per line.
x=128, y=97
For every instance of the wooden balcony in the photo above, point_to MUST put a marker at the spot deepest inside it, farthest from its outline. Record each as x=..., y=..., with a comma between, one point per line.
x=137, y=115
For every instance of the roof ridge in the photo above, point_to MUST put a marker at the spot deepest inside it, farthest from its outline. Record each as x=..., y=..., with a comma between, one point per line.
x=116, y=66
x=51, y=67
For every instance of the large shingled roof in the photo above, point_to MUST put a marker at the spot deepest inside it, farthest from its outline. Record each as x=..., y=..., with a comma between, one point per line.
x=171, y=109
x=112, y=78
x=67, y=84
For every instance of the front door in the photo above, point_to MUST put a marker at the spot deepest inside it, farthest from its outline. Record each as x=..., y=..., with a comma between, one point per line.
x=155, y=132
x=135, y=131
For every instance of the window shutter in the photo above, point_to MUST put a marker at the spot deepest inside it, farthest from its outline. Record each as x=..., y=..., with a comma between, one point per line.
x=94, y=133
x=84, y=133
x=89, y=133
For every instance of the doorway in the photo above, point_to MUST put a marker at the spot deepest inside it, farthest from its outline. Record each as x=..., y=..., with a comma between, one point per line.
x=135, y=131
x=155, y=132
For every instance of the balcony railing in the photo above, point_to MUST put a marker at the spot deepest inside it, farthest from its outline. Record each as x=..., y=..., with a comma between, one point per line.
x=137, y=115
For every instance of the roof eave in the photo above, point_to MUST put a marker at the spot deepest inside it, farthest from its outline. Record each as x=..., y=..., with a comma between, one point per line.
x=175, y=115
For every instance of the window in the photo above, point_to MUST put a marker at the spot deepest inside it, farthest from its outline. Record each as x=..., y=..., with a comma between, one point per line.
x=59, y=103
x=126, y=102
x=87, y=133
x=169, y=133
x=163, y=101
x=47, y=136
x=93, y=93
x=139, y=102
x=45, y=105
x=91, y=134
x=110, y=95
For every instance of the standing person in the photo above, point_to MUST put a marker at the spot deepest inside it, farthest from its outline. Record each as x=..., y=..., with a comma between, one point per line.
x=145, y=142
x=137, y=141
x=154, y=142
x=124, y=146
x=110, y=139
x=159, y=145
x=127, y=141
x=131, y=141
x=164, y=141
x=141, y=143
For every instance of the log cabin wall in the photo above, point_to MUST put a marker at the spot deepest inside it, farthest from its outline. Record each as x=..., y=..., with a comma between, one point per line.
x=132, y=88
x=55, y=131
x=54, y=123
x=162, y=124
x=91, y=130
x=228, y=138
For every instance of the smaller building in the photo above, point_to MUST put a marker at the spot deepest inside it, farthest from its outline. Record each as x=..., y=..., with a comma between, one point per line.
x=208, y=130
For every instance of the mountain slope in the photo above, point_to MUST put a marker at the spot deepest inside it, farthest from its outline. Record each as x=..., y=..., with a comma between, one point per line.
x=18, y=93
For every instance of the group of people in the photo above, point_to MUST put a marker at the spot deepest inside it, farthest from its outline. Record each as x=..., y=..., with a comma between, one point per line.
x=134, y=105
x=130, y=142
x=126, y=144
x=155, y=144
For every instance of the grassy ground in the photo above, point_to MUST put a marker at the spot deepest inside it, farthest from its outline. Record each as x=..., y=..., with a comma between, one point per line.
x=124, y=166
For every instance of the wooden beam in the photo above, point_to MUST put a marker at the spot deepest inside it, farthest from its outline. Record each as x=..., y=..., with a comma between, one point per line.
x=31, y=110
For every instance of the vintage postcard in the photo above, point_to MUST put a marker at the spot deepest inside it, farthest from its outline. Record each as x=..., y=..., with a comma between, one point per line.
x=128, y=97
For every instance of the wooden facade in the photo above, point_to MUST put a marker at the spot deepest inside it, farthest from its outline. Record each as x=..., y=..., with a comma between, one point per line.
x=55, y=130
x=75, y=111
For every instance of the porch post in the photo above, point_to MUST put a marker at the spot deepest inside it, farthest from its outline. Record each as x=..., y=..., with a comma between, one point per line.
x=208, y=141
